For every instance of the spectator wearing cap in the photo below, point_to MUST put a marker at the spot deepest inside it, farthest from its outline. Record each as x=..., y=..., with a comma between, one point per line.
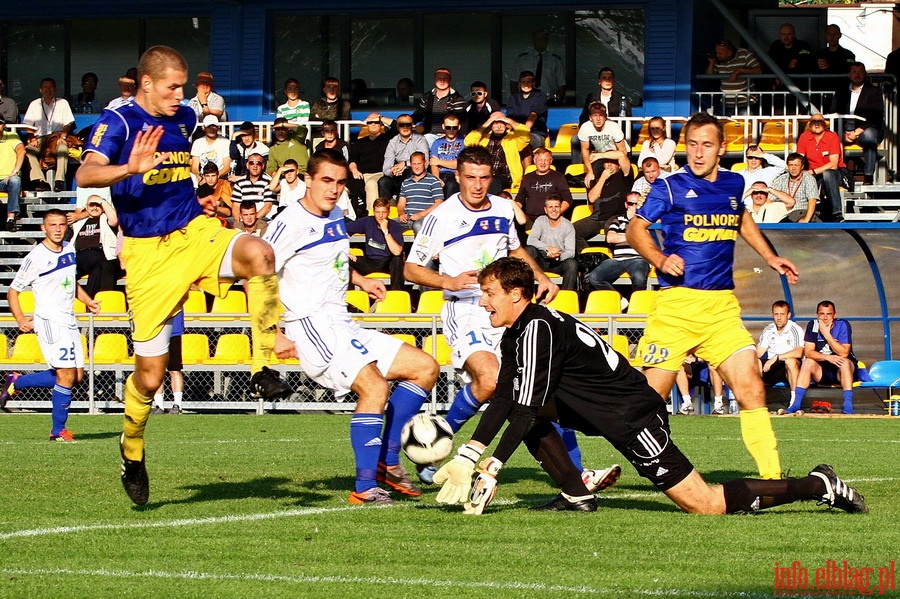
x=207, y=102
x=529, y=107
x=289, y=142
x=212, y=147
x=12, y=155
x=243, y=144
x=127, y=88
x=95, y=239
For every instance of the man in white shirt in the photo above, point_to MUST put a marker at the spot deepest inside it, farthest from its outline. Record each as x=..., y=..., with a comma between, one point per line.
x=48, y=116
x=780, y=348
x=212, y=147
x=598, y=136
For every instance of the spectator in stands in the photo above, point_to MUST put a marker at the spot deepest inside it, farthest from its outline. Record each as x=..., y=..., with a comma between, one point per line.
x=359, y=94
x=405, y=92
x=793, y=56
x=504, y=139
x=607, y=196
x=650, y=172
x=244, y=144
x=206, y=101
x=797, y=190
x=287, y=183
x=330, y=105
x=828, y=349
x=834, y=59
x=84, y=100
x=249, y=221
x=539, y=185
x=529, y=107
x=212, y=147
x=616, y=103
x=548, y=68
x=864, y=100
x=8, y=108
x=295, y=110
x=395, y=166
x=444, y=151
x=419, y=194
x=780, y=348
x=95, y=241
x=695, y=372
x=552, y=243
x=12, y=156
x=331, y=141
x=659, y=146
x=761, y=166
x=289, y=143
x=624, y=257
x=734, y=62
x=366, y=160
x=254, y=186
x=216, y=193
x=50, y=120
x=480, y=107
x=174, y=367
x=600, y=138
x=825, y=158
x=384, y=243
x=762, y=207
x=434, y=104
x=127, y=88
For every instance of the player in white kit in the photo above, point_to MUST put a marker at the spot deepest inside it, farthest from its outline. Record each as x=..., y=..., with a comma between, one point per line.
x=49, y=269
x=312, y=262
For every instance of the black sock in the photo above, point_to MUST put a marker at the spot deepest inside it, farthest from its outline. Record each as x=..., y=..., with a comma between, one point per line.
x=751, y=494
x=550, y=451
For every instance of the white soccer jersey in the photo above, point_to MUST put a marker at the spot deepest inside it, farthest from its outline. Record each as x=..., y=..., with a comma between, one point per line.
x=781, y=343
x=311, y=260
x=51, y=275
x=465, y=239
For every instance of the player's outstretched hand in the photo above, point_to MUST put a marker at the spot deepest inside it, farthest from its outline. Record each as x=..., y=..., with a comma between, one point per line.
x=373, y=287
x=455, y=477
x=785, y=267
x=485, y=487
x=93, y=307
x=546, y=290
x=143, y=157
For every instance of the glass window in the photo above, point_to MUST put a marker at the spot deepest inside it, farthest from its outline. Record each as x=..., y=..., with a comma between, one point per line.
x=107, y=48
x=381, y=53
x=34, y=52
x=190, y=36
x=462, y=43
x=610, y=38
x=303, y=47
x=518, y=36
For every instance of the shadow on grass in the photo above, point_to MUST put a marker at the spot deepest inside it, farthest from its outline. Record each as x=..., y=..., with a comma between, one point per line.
x=265, y=488
x=101, y=435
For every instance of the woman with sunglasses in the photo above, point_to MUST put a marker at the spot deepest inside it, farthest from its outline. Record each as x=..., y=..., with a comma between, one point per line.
x=659, y=146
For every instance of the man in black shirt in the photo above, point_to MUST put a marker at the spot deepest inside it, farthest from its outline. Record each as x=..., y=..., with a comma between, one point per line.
x=553, y=367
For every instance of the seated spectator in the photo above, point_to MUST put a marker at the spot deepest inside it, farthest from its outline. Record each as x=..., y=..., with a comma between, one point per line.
x=697, y=373
x=607, y=196
x=254, y=186
x=50, y=120
x=295, y=110
x=762, y=207
x=12, y=156
x=395, y=166
x=9, y=110
x=289, y=143
x=249, y=221
x=330, y=106
x=761, y=166
x=780, y=348
x=127, y=87
x=862, y=99
x=552, y=244
x=529, y=107
x=434, y=104
x=444, y=151
x=731, y=63
x=94, y=239
x=419, y=194
x=600, y=138
x=828, y=349
x=540, y=184
x=384, y=244
x=504, y=139
x=244, y=144
x=659, y=146
x=797, y=190
x=84, y=100
x=405, y=92
x=480, y=107
x=650, y=172
x=825, y=157
x=216, y=193
x=206, y=101
x=331, y=141
x=624, y=257
x=212, y=147
x=366, y=160
x=288, y=184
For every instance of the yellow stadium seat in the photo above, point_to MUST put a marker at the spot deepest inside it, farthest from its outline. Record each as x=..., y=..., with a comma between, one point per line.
x=79, y=307
x=565, y=301
x=597, y=250
x=194, y=348
x=738, y=167
x=355, y=251
x=394, y=302
x=25, y=350
x=231, y=348
x=436, y=345
x=430, y=303
x=603, y=301
x=234, y=302
x=576, y=168
x=581, y=211
x=736, y=135
x=111, y=348
x=195, y=302
x=359, y=299
x=642, y=136
x=621, y=345
x=4, y=346
x=562, y=145
x=775, y=136
x=641, y=302
x=111, y=302
x=406, y=338
x=26, y=301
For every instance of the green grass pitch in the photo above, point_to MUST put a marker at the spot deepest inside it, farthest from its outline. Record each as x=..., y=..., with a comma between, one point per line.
x=255, y=506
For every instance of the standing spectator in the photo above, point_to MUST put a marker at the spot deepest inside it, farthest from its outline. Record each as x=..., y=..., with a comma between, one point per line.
x=206, y=101
x=395, y=166
x=405, y=92
x=793, y=56
x=731, y=63
x=249, y=221
x=127, y=88
x=366, y=160
x=212, y=147
x=548, y=68
x=243, y=144
x=659, y=146
x=95, y=239
x=383, y=251
x=834, y=59
x=480, y=107
x=616, y=103
x=12, y=155
x=624, y=257
x=289, y=143
x=780, y=348
x=419, y=194
x=51, y=120
x=174, y=368
x=551, y=244
x=444, y=151
x=504, y=139
x=84, y=100
x=295, y=110
x=49, y=269
x=828, y=352
x=539, y=185
x=529, y=107
x=825, y=156
x=864, y=100
x=331, y=141
x=761, y=166
x=8, y=108
x=599, y=138
x=330, y=105
x=254, y=186
x=216, y=193
x=797, y=190
x=440, y=101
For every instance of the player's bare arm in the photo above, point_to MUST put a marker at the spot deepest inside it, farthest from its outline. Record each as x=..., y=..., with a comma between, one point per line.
x=284, y=347
x=755, y=239
x=421, y=275
x=96, y=171
x=638, y=236
x=373, y=287
x=90, y=303
x=25, y=323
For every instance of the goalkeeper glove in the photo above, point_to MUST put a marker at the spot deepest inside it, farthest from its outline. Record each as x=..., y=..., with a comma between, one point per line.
x=485, y=487
x=456, y=475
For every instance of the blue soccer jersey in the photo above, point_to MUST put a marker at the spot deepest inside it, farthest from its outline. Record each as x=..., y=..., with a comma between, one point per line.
x=700, y=222
x=159, y=201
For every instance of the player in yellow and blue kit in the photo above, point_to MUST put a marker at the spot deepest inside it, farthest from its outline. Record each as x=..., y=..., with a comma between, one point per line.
x=701, y=213
x=142, y=150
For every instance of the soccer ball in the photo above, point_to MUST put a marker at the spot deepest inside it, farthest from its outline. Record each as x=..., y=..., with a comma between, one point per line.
x=426, y=439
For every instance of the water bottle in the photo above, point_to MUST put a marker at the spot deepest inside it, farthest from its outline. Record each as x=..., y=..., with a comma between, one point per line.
x=895, y=405
x=732, y=403
x=623, y=107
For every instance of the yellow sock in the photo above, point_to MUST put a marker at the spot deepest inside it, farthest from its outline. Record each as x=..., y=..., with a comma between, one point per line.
x=137, y=411
x=265, y=309
x=756, y=429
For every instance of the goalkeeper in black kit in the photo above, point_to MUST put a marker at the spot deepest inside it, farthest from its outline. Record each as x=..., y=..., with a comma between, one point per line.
x=555, y=368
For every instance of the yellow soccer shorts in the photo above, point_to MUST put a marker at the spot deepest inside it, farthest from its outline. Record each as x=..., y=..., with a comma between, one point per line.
x=684, y=321
x=161, y=270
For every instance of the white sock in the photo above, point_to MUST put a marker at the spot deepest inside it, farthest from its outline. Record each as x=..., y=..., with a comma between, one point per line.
x=717, y=401
x=158, y=400
x=178, y=395
x=686, y=400
x=793, y=395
